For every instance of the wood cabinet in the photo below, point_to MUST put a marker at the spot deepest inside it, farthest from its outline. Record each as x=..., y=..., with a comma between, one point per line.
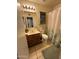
x=34, y=39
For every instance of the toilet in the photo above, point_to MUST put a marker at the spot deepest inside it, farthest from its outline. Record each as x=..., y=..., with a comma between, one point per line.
x=45, y=37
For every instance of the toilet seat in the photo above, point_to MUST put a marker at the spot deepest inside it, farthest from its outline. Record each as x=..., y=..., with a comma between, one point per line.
x=44, y=36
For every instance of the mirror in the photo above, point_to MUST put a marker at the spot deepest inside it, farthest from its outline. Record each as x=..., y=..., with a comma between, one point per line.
x=29, y=22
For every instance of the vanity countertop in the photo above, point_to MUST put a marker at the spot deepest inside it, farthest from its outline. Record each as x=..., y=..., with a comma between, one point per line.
x=32, y=31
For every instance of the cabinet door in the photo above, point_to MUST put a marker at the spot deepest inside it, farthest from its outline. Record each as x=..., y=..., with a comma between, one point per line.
x=34, y=39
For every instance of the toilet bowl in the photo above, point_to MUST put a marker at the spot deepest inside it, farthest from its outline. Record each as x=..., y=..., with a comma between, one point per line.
x=45, y=37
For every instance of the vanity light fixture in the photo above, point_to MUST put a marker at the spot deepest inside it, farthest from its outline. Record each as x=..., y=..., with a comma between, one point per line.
x=29, y=8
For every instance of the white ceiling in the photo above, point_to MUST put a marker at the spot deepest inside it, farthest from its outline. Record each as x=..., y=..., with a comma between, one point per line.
x=50, y=3
x=47, y=2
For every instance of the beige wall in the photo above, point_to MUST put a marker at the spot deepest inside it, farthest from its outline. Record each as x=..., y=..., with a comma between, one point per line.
x=36, y=16
x=22, y=47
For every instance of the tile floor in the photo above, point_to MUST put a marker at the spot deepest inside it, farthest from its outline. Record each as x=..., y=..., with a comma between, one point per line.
x=36, y=51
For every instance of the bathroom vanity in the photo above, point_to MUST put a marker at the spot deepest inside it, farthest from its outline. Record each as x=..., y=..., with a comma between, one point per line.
x=33, y=37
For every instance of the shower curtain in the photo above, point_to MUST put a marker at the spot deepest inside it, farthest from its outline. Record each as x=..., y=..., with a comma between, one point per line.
x=54, y=22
